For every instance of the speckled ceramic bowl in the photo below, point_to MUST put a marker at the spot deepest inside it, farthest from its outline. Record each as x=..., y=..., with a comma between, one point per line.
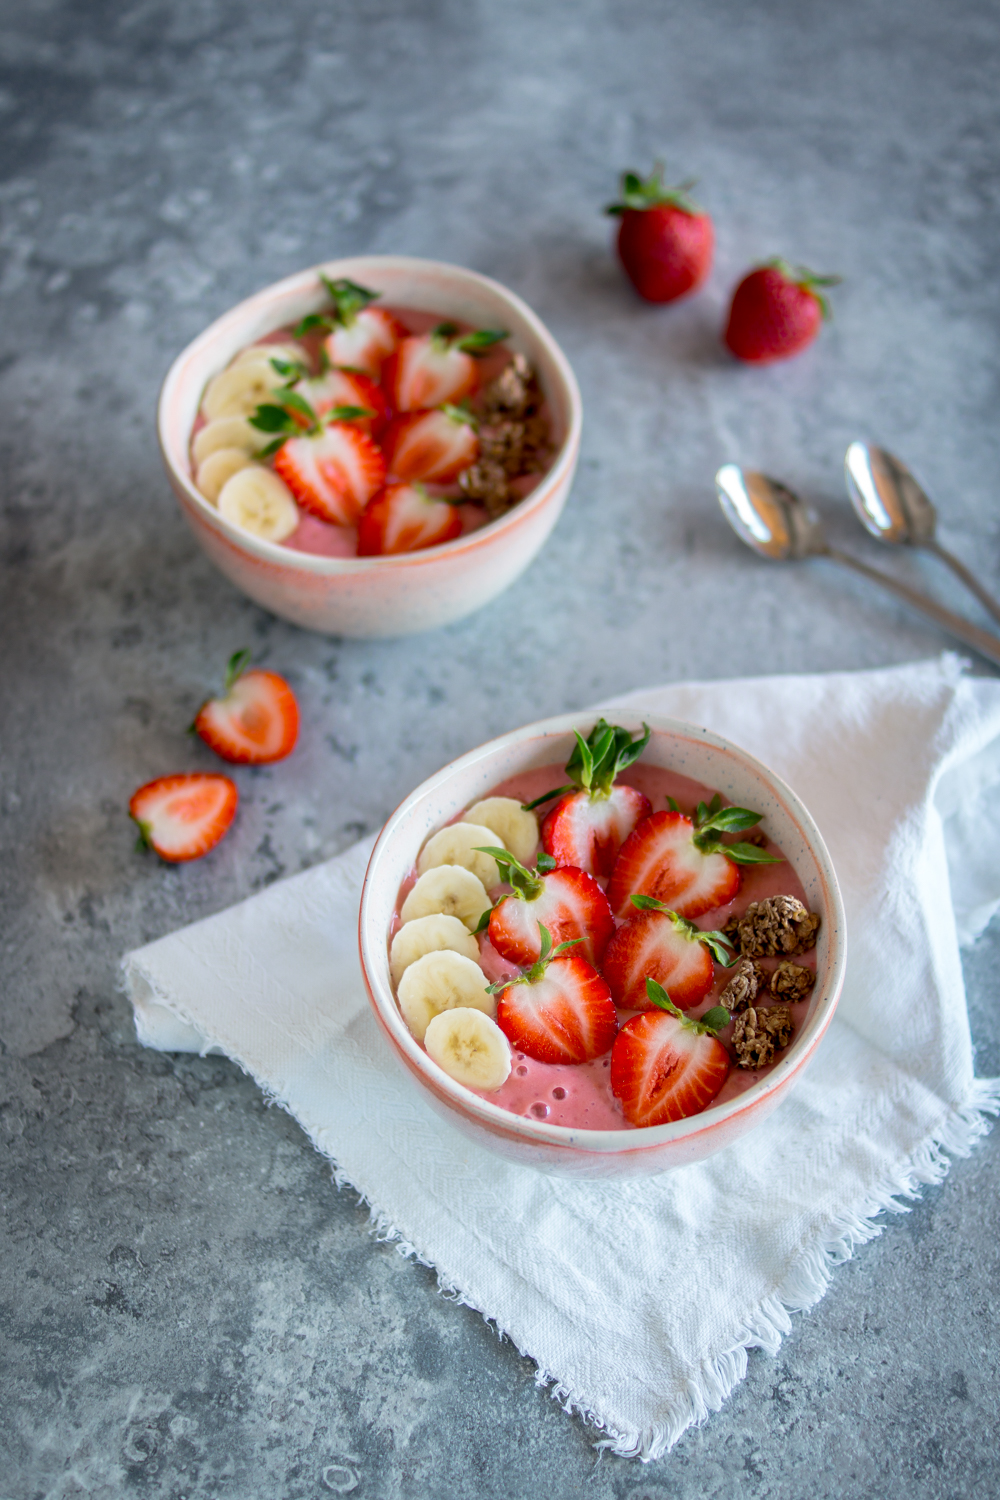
x=556, y=1148
x=375, y=596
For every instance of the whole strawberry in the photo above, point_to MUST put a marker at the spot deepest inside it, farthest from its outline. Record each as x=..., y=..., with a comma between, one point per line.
x=776, y=311
x=665, y=241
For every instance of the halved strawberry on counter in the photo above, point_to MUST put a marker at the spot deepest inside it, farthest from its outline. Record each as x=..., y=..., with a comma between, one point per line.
x=587, y=828
x=431, y=445
x=358, y=336
x=560, y=1010
x=405, y=518
x=656, y=943
x=665, y=1066
x=683, y=861
x=183, y=817
x=428, y=369
x=569, y=903
x=256, y=721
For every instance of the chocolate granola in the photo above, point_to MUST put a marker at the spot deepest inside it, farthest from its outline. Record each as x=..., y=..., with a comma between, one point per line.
x=775, y=927
x=791, y=982
x=759, y=1033
x=746, y=979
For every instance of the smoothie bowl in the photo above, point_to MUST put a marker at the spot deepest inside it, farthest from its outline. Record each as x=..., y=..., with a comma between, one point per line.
x=375, y=446
x=603, y=950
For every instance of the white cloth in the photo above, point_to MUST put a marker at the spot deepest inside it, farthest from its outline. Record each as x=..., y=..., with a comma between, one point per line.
x=638, y=1301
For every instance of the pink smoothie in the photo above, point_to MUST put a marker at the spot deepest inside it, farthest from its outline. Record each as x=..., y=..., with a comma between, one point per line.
x=579, y=1095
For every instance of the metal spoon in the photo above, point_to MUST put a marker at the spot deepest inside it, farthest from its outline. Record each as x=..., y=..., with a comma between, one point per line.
x=773, y=521
x=893, y=507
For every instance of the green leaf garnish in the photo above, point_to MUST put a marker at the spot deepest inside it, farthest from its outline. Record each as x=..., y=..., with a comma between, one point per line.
x=712, y=1021
x=273, y=418
x=236, y=666
x=749, y=854
x=545, y=956
x=314, y=323
x=527, y=885
x=547, y=797
x=598, y=759
x=481, y=340
x=712, y=821
x=484, y=918
x=462, y=414
x=808, y=280
x=289, y=369
x=672, y=805
x=348, y=298
x=545, y=863
x=716, y=942
x=346, y=414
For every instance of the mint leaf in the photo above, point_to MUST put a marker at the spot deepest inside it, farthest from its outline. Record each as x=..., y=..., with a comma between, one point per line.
x=713, y=1020
x=749, y=854
x=481, y=340
x=658, y=995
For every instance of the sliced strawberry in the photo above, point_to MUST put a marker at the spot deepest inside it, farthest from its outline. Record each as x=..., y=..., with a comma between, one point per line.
x=665, y=1067
x=366, y=343
x=658, y=944
x=560, y=1010
x=587, y=833
x=182, y=817
x=569, y=903
x=333, y=472
x=429, y=369
x=683, y=862
x=404, y=518
x=431, y=445
x=257, y=719
x=342, y=388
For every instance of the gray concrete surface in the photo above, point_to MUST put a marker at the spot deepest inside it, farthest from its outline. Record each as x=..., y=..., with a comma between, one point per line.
x=189, y=1307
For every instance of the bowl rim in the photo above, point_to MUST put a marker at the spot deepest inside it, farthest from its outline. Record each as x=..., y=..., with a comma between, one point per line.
x=555, y=477
x=608, y=1142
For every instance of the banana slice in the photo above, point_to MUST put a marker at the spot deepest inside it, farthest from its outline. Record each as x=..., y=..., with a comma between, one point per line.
x=451, y=890
x=457, y=845
x=219, y=467
x=516, y=829
x=470, y=1048
x=227, y=432
x=290, y=353
x=428, y=935
x=440, y=981
x=256, y=500
x=238, y=391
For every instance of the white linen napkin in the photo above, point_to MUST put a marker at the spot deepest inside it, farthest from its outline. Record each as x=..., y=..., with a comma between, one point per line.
x=900, y=769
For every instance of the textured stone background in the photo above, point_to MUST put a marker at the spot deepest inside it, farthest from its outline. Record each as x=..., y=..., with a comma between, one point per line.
x=189, y=1307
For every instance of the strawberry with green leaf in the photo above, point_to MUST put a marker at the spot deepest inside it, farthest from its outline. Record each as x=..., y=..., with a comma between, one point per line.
x=665, y=241
x=777, y=310
x=405, y=518
x=569, y=903
x=330, y=465
x=587, y=827
x=656, y=943
x=666, y=1066
x=684, y=862
x=358, y=336
x=558, y=1011
x=434, y=446
x=428, y=369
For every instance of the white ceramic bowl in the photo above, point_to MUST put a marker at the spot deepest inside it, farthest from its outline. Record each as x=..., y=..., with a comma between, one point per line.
x=375, y=596
x=675, y=746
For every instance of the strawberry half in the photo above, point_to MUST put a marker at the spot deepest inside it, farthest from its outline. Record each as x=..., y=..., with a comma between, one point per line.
x=182, y=817
x=255, y=721
x=665, y=241
x=404, y=518
x=682, y=862
x=664, y=1066
x=347, y=388
x=431, y=445
x=587, y=828
x=333, y=472
x=656, y=943
x=429, y=369
x=568, y=902
x=358, y=337
x=560, y=1010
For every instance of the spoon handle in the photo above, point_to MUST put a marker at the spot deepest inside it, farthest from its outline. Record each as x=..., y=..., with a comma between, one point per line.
x=971, y=582
x=980, y=640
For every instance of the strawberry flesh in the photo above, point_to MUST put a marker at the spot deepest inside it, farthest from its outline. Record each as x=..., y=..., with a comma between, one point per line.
x=430, y=445
x=661, y=1070
x=565, y=1016
x=660, y=859
x=256, y=722
x=587, y=831
x=650, y=946
x=404, y=518
x=425, y=372
x=334, y=473
x=347, y=388
x=570, y=905
x=183, y=817
x=365, y=342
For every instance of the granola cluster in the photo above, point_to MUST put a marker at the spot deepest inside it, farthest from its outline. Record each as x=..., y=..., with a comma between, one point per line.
x=513, y=437
x=746, y=979
x=776, y=927
x=791, y=982
x=759, y=1033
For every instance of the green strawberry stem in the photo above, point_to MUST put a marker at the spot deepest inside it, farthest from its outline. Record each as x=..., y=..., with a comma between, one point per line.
x=808, y=280
x=638, y=194
x=546, y=954
x=713, y=820
x=709, y=1024
x=717, y=943
x=450, y=336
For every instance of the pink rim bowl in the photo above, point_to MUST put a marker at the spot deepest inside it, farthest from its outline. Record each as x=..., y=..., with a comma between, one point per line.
x=375, y=596
x=684, y=748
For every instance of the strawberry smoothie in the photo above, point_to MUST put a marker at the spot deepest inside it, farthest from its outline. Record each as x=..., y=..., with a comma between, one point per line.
x=579, y=1095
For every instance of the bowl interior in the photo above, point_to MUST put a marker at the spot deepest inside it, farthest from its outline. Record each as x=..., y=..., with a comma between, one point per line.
x=684, y=748
x=426, y=286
